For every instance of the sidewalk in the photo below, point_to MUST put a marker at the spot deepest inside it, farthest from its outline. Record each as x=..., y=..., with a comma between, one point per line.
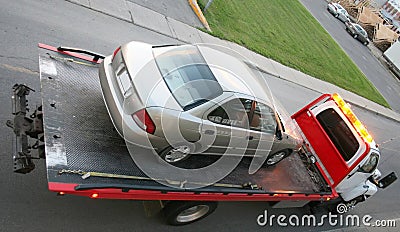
x=152, y=20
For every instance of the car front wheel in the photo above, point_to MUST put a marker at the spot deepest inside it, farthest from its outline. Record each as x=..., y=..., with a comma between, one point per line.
x=355, y=36
x=277, y=157
x=174, y=154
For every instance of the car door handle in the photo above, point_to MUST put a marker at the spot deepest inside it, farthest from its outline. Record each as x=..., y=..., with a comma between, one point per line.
x=209, y=132
x=250, y=137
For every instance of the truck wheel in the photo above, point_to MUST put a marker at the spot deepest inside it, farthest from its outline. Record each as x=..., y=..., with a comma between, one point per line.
x=277, y=157
x=179, y=213
x=174, y=154
x=334, y=207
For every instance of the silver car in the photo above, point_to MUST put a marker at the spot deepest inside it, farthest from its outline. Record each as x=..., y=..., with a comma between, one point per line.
x=338, y=11
x=194, y=99
x=357, y=32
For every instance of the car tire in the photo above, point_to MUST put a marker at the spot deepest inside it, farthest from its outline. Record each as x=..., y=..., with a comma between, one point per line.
x=277, y=157
x=355, y=36
x=179, y=213
x=336, y=15
x=366, y=43
x=176, y=153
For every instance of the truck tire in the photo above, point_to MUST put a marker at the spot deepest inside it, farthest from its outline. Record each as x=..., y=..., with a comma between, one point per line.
x=178, y=213
x=277, y=157
x=336, y=207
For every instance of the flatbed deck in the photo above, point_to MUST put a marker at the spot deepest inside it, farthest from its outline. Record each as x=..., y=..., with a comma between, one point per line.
x=80, y=137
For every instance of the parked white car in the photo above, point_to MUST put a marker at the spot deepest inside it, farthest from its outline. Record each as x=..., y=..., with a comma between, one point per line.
x=338, y=11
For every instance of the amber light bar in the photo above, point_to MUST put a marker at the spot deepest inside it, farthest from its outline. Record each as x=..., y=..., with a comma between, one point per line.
x=360, y=128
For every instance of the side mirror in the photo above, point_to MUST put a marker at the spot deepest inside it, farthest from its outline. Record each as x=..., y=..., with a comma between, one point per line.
x=278, y=133
x=387, y=180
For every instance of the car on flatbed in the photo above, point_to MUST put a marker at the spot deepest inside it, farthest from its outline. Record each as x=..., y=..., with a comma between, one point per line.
x=358, y=32
x=213, y=96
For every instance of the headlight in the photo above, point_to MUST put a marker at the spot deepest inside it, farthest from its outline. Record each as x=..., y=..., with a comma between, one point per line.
x=371, y=164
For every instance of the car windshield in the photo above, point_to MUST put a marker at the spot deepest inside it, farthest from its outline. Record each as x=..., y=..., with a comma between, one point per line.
x=187, y=75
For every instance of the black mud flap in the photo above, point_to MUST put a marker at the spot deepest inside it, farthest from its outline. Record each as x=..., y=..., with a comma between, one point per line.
x=28, y=130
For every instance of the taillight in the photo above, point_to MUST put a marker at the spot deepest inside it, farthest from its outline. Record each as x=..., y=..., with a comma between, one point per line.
x=143, y=120
x=345, y=108
x=115, y=52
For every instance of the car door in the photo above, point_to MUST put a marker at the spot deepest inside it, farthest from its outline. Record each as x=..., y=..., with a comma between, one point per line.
x=226, y=126
x=342, y=15
x=239, y=126
x=262, y=129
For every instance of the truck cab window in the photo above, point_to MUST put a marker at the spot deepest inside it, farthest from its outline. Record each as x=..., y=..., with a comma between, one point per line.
x=340, y=134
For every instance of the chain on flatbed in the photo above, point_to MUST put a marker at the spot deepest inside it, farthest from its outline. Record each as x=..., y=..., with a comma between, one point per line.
x=181, y=184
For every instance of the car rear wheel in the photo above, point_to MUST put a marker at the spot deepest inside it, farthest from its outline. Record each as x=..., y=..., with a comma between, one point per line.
x=277, y=157
x=365, y=43
x=336, y=15
x=355, y=36
x=174, y=154
x=179, y=213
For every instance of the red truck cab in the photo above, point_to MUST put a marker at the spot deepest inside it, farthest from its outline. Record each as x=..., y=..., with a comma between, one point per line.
x=346, y=153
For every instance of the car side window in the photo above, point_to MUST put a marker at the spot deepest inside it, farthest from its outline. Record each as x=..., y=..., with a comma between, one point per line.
x=262, y=118
x=245, y=113
x=232, y=113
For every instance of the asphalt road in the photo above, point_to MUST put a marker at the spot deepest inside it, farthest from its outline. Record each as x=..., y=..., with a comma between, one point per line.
x=386, y=83
x=25, y=202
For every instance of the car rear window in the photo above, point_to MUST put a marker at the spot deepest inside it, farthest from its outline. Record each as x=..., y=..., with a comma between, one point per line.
x=187, y=75
x=339, y=133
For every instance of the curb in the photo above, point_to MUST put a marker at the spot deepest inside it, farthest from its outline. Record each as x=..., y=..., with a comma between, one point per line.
x=199, y=13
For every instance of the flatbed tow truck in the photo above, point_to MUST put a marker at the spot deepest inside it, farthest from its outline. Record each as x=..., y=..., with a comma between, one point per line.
x=85, y=155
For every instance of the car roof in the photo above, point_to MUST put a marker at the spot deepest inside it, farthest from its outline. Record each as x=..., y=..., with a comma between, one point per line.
x=234, y=73
x=230, y=70
x=358, y=26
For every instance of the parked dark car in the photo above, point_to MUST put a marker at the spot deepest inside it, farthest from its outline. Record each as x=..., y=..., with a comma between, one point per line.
x=357, y=32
